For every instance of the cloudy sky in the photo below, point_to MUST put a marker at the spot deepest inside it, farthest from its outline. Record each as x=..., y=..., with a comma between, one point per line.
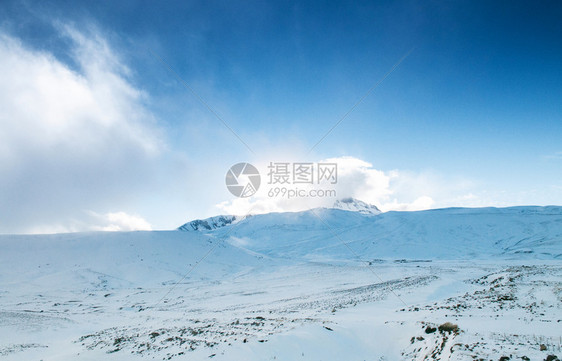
x=127, y=115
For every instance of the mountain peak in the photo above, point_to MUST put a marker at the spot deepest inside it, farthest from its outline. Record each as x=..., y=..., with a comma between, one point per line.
x=355, y=205
x=210, y=224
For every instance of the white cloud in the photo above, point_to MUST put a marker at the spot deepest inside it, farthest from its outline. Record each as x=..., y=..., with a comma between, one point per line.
x=70, y=139
x=92, y=221
x=120, y=221
x=388, y=190
x=358, y=179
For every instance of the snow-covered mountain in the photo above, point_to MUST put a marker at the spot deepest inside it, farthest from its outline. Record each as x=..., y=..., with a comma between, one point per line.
x=210, y=223
x=452, y=233
x=327, y=283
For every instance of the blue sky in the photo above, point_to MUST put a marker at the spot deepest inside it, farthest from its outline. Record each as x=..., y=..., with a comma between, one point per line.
x=472, y=117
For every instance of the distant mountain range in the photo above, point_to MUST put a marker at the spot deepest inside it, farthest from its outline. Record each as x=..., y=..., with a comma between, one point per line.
x=208, y=224
x=452, y=233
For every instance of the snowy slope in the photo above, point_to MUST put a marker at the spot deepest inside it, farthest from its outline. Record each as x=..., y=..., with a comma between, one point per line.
x=453, y=233
x=331, y=236
x=319, y=234
x=326, y=284
x=113, y=259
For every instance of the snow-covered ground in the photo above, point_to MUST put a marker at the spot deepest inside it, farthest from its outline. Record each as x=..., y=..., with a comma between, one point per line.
x=325, y=284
